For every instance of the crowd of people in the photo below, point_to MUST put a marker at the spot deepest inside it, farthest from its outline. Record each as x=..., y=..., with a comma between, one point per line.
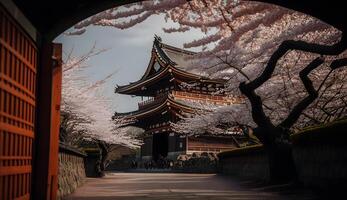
x=196, y=161
x=160, y=163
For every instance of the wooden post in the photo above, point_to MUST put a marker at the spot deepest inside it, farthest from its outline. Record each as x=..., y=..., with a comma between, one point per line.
x=47, y=124
x=55, y=122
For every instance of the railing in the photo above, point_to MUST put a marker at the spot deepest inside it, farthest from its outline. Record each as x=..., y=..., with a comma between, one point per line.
x=152, y=101
x=209, y=148
x=205, y=97
x=217, y=99
x=158, y=129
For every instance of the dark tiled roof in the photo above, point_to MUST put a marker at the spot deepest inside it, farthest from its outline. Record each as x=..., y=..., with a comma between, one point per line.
x=177, y=58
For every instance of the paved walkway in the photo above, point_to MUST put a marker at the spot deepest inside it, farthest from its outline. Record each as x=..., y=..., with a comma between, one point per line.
x=170, y=186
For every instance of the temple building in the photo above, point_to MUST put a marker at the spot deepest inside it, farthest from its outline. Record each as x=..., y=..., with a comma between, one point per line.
x=171, y=91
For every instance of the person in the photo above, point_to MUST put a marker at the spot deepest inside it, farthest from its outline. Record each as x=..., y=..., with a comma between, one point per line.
x=133, y=164
x=150, y=164
x=98, y=171
x=160, y=161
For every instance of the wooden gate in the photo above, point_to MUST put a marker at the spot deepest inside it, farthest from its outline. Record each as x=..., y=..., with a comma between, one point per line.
x=18, y=65
x=28, y=150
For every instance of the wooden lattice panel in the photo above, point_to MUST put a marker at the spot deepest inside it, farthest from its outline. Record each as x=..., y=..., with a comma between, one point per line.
x=18, y=61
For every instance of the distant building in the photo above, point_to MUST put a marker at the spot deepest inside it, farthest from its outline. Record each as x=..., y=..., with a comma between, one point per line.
x=174, y=92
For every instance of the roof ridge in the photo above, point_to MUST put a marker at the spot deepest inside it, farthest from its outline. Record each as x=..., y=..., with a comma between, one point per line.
x=167, y=46
x=159, y=41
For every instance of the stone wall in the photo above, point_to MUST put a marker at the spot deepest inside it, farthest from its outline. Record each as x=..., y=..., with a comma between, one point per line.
x=322, y=160
x=249, y=162
x=320, y=156
x=71, y=170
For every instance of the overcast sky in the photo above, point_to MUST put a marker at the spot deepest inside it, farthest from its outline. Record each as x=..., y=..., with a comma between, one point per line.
x=129, y=53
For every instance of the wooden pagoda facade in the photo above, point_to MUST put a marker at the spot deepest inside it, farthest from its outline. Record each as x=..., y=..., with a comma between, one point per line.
x=173, y=92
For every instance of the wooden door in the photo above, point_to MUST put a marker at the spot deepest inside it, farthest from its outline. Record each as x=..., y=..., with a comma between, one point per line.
x=18, y=66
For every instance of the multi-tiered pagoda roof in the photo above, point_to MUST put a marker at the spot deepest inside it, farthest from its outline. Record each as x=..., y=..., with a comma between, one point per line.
x=165, y=74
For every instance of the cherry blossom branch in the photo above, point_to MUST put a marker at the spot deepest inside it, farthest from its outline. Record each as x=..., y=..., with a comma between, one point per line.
x=288, y=45
x=312, y=94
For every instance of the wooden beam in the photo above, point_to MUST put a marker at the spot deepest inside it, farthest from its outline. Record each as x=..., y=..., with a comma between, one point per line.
x=44, y=182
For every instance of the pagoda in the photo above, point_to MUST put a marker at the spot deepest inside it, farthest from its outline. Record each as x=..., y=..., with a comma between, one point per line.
x=172, y=92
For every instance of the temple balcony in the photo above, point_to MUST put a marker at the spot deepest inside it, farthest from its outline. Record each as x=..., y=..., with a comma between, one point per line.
x=205, y=98
x=189, y=96
x=152, y=101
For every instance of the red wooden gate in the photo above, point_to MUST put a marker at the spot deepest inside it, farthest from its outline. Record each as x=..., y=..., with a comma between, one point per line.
x=24, y=143
x=18, y=65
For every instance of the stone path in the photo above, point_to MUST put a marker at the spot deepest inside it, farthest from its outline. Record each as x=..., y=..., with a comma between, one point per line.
x=171, y=186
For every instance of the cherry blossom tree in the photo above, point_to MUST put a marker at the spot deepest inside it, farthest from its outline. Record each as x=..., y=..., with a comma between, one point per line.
x=288, y=66
x=86, y=113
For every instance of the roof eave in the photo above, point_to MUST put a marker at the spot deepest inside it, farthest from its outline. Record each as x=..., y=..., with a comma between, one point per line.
x=156, y=107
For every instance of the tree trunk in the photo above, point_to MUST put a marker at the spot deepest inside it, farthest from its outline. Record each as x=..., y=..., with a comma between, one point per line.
x=281, y=163
x=278, y=146
x=102, y=162
x=104, y=154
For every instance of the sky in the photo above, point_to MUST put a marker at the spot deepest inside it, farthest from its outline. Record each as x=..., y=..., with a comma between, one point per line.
x=128, y=53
